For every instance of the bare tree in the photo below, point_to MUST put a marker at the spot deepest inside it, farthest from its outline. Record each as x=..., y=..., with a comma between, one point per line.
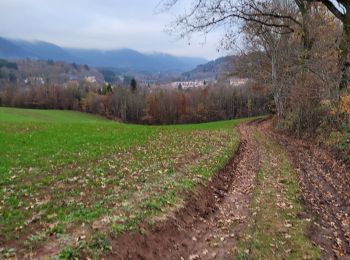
x=275, y=44
x=206, y=15
x=341, y=10
x=266, y=21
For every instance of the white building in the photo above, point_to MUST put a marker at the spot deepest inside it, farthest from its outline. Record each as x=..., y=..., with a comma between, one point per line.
x=91, y=79
x=34, y=80
x=238, y=82
x=189, y=84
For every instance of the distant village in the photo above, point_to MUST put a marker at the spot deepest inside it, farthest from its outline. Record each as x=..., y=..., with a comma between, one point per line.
x=234, y=82
x=30, y=73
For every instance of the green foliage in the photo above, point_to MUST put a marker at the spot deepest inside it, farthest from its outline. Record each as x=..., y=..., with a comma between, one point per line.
x=133, y=85
x=106, y=89
x=97, y=246
x=69, y=253
x=57, y=230
x=7, y=64
x=7, y=253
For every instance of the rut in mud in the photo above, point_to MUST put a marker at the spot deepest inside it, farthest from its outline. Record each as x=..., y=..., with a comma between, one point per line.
x=210, y=223
x=325, y=186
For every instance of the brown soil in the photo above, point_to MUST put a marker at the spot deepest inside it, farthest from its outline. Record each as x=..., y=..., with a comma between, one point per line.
x=211, y=221
x=325, y=185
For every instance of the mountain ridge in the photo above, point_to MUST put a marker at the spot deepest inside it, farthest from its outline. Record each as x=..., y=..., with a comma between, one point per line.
x=124, y=59
x=212, y=69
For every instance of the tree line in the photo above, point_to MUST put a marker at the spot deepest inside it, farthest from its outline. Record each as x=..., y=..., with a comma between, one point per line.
x=144, y=105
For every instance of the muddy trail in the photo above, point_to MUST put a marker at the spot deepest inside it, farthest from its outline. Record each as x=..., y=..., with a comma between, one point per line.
x=325, y=186
x=212, y=222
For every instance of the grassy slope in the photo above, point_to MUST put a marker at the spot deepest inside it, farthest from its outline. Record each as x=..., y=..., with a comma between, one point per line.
x=58, y=116
x=276, y=230
x=59, y=169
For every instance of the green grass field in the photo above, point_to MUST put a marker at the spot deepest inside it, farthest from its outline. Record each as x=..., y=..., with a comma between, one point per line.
x=61, y=171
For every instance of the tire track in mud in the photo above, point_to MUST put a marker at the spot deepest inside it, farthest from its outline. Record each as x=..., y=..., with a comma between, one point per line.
x=325, y=187
x=210, y=223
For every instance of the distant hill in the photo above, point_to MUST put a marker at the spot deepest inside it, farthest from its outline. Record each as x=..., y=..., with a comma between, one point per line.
x=131, y=60
x=176, y=63
x=212, y=69
x=45, y=51
x=122, y=59
x=36, y=73
x=10, y=50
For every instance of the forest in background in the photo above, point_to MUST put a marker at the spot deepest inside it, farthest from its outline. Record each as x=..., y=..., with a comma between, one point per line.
x=136, y=104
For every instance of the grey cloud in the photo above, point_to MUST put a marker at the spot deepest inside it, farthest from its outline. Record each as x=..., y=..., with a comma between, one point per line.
x=98, y=24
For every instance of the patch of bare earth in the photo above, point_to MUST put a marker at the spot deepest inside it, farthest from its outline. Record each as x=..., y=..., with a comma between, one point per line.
x=325, y=185
x=210, y=223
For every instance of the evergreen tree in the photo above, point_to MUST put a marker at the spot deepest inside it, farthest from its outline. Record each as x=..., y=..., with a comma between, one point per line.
x=133, y=85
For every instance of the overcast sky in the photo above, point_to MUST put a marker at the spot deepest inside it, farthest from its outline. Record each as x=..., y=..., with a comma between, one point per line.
x=100, y=24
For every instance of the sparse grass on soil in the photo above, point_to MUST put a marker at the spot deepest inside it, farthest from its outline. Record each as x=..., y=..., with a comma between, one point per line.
x=66, y=175
x=276, y=229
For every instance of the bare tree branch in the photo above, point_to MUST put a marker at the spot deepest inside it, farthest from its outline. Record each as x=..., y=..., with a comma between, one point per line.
x=333, y=9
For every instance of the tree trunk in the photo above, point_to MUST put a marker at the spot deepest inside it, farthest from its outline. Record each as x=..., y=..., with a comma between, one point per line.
x=277, y=88
x=344, y=60
x=307, y=42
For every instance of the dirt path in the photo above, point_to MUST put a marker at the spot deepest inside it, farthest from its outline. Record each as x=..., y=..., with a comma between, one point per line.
x=325, y=185
x=210, y=224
